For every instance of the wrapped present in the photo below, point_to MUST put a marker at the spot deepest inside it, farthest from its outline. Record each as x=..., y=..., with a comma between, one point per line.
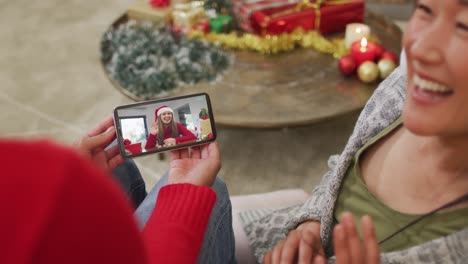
x=221, y=24
x=326, y=16
x=202, y=25
x=134, y=148
x=205, y=128
x=243, y=9
x=142, y=10
x=160, y=3
x=187, y=15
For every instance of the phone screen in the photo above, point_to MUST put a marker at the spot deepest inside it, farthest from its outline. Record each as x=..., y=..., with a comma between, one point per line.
x=166, y=124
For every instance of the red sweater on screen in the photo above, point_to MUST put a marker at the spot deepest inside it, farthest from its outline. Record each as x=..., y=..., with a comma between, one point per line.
x=184, y=135
x=59, y=208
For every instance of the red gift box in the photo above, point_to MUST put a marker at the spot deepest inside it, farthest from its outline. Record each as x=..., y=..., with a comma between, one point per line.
x=134, y=148
x=243, y=9
x=326, y=16
x=203, y=26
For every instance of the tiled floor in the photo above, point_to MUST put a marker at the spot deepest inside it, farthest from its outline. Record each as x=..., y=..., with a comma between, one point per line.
x=52, y=86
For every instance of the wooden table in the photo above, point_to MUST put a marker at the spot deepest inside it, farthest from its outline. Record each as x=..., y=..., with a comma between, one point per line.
x=295, y=88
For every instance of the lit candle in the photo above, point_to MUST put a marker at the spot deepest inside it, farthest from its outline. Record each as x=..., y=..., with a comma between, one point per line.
x=361, y=52
x=355, y=32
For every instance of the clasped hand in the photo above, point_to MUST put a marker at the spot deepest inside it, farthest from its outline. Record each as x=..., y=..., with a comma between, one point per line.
x=169, y=142
x=303, y=245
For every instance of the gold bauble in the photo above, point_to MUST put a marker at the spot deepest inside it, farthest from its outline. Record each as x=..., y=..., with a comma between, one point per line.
x=368, y=72
x=386, y=67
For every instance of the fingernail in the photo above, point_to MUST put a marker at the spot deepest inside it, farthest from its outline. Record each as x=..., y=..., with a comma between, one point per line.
x=339, y=231
x=348, y=219
x=365, y=219
x=319, y=260
x=110, y=129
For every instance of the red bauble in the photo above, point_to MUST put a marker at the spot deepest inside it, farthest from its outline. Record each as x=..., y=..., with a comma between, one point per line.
x=378, y=49
x=347, y=65
x=390, y=56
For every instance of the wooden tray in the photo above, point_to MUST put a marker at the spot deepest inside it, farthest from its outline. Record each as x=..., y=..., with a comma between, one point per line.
x=295, y=88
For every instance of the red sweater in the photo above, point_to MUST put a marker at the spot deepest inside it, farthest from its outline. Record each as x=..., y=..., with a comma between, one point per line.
x=184, y=135
x=58, y=208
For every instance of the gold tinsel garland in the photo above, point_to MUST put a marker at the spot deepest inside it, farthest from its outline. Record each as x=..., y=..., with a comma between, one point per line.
x=273, y=44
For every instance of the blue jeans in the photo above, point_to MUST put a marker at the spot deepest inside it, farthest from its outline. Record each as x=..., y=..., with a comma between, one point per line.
x=218, y=243
x=130, y=179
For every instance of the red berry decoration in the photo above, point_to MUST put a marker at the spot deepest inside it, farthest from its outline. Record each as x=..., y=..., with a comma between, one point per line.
x=347, y=65
x=389, y=56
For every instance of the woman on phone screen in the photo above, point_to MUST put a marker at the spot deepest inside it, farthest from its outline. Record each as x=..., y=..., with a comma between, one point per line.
x=172, y=133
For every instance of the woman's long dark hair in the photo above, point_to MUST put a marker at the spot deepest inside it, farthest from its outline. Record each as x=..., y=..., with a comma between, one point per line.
x=162, y=134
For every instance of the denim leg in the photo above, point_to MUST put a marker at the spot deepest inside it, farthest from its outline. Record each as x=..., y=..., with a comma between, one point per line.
x=144, y=211
x=129, y=177
x=218, y=242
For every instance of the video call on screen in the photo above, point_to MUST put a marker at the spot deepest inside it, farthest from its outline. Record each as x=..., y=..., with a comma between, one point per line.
x=190, y=119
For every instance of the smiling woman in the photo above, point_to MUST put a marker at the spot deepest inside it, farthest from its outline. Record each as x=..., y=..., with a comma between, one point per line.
x=165, y=131
x=405, y=165
x=435, y=42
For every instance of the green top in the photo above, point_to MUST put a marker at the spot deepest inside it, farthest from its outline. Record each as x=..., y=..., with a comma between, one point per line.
x=357, y=199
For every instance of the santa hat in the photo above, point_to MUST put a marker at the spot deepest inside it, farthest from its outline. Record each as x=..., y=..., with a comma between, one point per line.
x=161, y=110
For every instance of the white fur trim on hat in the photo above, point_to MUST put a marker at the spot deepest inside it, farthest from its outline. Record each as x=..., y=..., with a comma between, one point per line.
x=165, y=109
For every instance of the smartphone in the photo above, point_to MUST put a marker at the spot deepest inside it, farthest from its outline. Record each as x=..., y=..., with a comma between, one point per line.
x=165, y=124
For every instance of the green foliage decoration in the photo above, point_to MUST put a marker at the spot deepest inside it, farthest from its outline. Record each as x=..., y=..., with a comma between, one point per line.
x=220, y=6
x=203, y=113
x=148, y=59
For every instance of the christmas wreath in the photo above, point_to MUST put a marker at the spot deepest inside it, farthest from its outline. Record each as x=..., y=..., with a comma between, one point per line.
x=149, y=59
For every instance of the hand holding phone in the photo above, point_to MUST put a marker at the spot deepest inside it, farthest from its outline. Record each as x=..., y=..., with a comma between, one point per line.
x=93, y=145
x=198, y=166
x=162, y=125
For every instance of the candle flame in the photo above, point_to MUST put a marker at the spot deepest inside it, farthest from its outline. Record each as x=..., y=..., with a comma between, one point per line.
x=364, y=42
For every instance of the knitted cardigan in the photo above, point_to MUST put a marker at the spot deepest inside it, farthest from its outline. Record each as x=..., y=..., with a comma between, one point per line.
x=265, y=228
